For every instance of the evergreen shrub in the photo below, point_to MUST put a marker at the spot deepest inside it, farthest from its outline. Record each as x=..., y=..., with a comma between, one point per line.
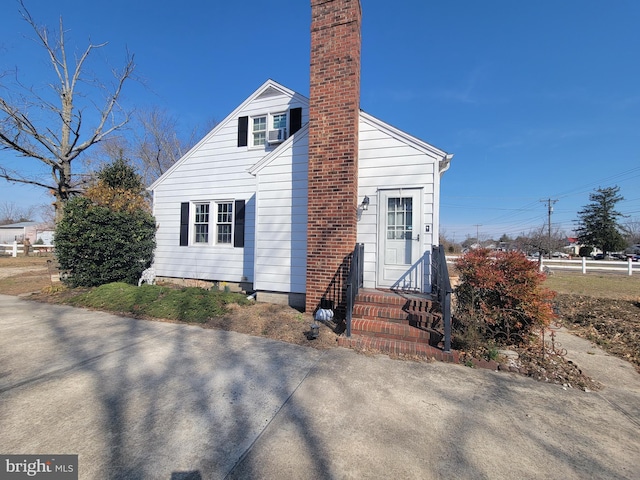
x=107, y=235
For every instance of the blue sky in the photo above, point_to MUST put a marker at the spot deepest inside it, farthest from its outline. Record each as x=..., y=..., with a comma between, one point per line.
x=536, y=100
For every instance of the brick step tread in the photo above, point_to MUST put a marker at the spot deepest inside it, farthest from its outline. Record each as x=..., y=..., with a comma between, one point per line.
x=385, y=307
x=398, y=347
x=393, y=313
x=384, y=297
x=399, y=331
x=396, y=315
x=375, y=299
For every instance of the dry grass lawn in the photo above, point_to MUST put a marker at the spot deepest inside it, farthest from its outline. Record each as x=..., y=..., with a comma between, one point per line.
x=612, y=286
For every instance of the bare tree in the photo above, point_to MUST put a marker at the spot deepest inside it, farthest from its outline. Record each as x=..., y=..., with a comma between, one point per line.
x=12, y=213
x=58, y=137
x=158, y=145
x=152, y=147
x=632, y=231
x=538, y=241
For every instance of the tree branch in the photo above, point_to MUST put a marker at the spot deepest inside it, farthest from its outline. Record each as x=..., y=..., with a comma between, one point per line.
x=9, y=176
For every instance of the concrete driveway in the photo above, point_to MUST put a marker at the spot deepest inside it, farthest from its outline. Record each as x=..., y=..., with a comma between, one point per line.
x=151, y=400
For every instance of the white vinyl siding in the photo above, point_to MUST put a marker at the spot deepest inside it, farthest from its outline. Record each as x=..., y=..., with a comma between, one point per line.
x=281, y=228
x=216, y=169
x=388, y=162
x=272, y=180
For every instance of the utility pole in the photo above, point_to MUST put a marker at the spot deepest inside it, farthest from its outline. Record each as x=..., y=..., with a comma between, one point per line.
x=549, y=202
x=478, y=225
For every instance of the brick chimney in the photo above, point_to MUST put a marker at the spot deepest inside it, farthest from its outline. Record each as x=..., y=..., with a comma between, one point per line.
x=334, y=107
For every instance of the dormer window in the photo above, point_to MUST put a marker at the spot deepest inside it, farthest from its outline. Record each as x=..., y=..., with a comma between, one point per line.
x=268, y=129
x=259, y=131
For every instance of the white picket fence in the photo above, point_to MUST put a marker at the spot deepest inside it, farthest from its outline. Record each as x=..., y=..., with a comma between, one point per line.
x=582, y=264
x=15, y=248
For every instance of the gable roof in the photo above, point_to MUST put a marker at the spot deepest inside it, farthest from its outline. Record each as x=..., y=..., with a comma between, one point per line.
x=272, y=88
x=402, y=136
x=267, y=89
x=373, y=121
x=410, y=140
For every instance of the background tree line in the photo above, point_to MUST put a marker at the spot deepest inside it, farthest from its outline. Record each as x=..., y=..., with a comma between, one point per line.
x=599, y=225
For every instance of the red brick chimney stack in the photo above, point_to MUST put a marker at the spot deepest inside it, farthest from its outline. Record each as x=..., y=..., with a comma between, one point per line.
x=334, y=106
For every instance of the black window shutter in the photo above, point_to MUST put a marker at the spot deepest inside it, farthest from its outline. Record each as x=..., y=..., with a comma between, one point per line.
x=243, y=131
x=184, y=224
x=295, y=122
x=238, y=232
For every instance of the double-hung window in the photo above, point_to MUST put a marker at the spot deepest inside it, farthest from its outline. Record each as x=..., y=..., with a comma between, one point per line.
x=201, y=223
x=212, y=223
x=224, y=223
x=268, y=128
x=271, y=128
x=220, y=222
x=259, y=130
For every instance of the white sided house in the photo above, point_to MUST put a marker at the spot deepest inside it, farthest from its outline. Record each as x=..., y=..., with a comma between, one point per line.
x=234, y=208
x=277, y=196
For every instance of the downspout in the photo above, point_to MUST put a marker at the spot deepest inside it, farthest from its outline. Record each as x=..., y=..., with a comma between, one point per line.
x=443, y=166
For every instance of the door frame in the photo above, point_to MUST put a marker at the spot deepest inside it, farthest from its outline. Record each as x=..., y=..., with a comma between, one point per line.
x=412, y=277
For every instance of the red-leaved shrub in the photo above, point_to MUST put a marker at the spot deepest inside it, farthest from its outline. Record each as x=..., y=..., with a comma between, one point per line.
x=500, y=295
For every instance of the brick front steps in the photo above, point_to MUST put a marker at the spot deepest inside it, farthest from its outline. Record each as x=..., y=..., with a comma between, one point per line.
x=398, y=347
x=397, y=323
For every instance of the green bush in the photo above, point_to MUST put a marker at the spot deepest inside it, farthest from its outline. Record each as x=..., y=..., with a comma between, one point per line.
x=96, y=245
x=500, y=297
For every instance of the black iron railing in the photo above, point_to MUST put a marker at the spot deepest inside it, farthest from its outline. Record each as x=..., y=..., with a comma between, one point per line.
x=354, y=282
x=441, y=288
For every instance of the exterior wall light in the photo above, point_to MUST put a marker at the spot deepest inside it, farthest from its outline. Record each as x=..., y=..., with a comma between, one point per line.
x=365, y=203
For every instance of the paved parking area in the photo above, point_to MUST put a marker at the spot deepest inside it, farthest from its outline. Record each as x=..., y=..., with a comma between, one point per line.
x=152, y=400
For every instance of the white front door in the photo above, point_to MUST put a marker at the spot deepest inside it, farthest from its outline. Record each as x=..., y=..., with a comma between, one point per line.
x=399, y=258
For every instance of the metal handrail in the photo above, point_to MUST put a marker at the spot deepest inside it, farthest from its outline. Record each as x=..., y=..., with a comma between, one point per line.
x=355, y=281
x=441, y=287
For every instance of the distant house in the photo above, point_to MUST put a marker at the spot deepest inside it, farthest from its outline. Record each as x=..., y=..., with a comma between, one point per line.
x=572, y=247
x=276, y=196
x=17, y=232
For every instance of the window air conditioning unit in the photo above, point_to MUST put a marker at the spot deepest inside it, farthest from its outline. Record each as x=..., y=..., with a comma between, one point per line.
x=277, y=136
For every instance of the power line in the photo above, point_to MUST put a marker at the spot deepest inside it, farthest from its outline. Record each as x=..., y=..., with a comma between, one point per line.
x=550, y=203
x=478, y=225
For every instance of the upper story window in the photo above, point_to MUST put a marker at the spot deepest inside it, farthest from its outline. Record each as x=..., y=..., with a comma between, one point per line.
x=271, y=128
x=266, y=129
x=280, y=121
x=259, y=130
